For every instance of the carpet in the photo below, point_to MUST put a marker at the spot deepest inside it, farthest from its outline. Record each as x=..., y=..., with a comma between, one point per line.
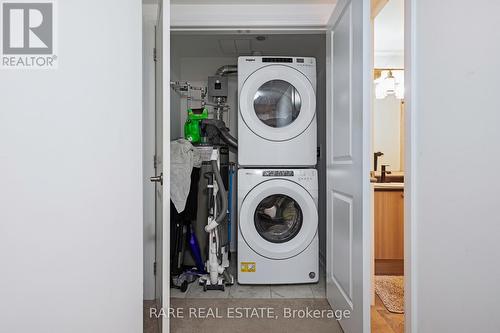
x=390, y=289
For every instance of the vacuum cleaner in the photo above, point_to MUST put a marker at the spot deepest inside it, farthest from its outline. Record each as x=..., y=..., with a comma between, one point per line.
x=212, y=138
x=217, y=265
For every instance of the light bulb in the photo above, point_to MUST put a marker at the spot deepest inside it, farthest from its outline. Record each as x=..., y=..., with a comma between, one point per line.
x=390, y=83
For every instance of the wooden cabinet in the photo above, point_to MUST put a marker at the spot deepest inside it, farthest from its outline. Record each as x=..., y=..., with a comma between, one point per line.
x=389, y=224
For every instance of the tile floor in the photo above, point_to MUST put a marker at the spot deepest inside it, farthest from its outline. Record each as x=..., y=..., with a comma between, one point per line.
x=316, y=290
x=230, y=325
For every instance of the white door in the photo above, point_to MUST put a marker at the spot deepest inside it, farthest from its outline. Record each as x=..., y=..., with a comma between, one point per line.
x=158, y=160
x=348, y=132
x=162, y=161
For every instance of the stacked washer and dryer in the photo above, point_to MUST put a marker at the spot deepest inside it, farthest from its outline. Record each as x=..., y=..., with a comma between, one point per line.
x=277, y=179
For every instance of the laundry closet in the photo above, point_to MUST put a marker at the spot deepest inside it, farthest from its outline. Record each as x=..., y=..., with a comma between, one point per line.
x=277, y=221
x=275, y=96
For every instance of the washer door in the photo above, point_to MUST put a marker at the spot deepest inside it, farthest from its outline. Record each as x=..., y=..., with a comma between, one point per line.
x=277, y=103
x=278, y=219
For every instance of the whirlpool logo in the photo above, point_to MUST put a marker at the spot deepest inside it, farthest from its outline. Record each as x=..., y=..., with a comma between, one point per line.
x=28, y=34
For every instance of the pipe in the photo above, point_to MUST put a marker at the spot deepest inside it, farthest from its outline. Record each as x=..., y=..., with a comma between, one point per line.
x=230, y=203
x=226, y=70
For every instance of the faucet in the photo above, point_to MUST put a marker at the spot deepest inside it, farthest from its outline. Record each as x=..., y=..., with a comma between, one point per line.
x=375, y=159
x=384, y=173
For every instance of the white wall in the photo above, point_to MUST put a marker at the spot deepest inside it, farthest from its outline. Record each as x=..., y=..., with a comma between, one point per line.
x=387, y=131
x=456, y=156
x=70, y=179
x=176, y=130
x=389, y=60
x=389, y=53
x=388, y=33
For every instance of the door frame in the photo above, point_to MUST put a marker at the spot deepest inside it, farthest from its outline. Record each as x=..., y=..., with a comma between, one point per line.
x=164, y=15
x=410, y=181
x=410, y=158
x=409, y=141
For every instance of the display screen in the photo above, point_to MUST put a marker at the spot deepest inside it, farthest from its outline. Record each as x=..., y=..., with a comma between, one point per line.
x=288, y=60
x=277, y=173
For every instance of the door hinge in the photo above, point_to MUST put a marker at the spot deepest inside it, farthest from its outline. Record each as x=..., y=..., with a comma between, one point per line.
x=154, y=54
x=154, y=268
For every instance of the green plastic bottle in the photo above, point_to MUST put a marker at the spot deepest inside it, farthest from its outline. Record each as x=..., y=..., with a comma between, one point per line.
x=192, y=131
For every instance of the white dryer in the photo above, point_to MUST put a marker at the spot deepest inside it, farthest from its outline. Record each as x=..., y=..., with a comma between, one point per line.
x=277, y=111
x=278, y=226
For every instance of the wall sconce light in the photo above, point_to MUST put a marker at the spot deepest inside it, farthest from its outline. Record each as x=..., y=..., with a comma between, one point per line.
x=389, y=82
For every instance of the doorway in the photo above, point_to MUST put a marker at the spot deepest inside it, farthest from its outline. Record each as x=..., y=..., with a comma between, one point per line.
x=344, y=22
x=191, y=68
x=388, y=171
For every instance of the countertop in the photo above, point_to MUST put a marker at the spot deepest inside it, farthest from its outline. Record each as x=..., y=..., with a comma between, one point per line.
x=388, y=186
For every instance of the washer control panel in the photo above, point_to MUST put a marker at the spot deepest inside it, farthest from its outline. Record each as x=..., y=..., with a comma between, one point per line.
x=297, y=174
x=249, y=178
x=306, y=176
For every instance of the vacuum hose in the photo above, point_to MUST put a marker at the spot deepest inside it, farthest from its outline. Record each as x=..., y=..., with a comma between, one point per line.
x=222, y=193
x=222, y=212
x=223, y=131
x=230, y=140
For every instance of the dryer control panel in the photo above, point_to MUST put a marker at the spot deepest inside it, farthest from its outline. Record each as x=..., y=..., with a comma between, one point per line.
x=282, y=60
x=289, y=60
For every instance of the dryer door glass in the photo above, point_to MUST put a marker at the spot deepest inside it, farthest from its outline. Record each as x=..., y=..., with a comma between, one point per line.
x=278, y=218
x=277, y=103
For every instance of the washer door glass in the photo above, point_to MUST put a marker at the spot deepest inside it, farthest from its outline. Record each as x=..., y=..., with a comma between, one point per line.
x=277, y=103
x=278, y=218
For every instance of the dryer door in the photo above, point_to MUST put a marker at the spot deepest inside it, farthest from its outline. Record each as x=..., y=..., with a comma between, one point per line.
x=278, y=219
x=277, y=102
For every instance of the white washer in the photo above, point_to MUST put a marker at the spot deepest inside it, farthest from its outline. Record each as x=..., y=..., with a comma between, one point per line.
x=278, y=226
x=277, y=111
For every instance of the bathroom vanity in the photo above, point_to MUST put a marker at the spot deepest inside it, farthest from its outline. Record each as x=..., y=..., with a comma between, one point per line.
x=389, y=228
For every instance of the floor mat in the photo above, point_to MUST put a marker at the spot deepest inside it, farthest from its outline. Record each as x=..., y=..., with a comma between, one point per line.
x=390, y=289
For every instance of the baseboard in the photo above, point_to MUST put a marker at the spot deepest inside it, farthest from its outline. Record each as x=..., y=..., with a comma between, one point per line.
x=389, y=267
